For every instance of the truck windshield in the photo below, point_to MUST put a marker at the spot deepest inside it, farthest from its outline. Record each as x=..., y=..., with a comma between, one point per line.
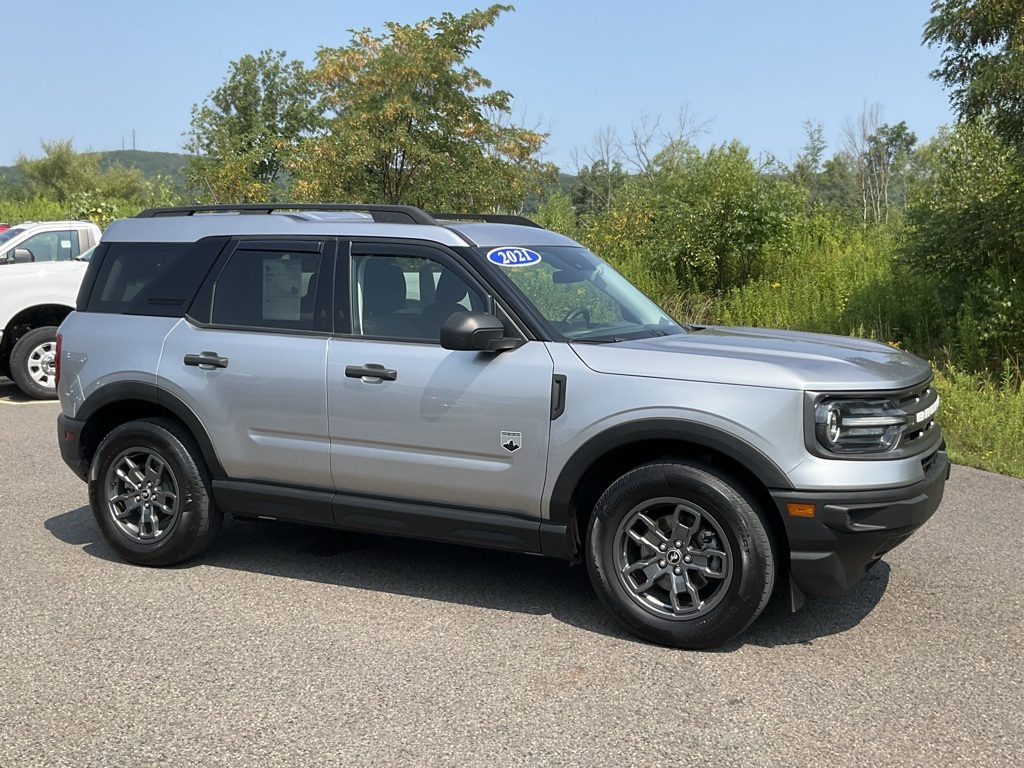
x=580, y=296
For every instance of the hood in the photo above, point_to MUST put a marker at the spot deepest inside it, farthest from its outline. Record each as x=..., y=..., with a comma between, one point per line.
x=761, y=358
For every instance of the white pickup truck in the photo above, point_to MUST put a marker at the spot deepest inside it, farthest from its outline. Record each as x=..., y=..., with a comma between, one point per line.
x=35, y=241
x=41, y=268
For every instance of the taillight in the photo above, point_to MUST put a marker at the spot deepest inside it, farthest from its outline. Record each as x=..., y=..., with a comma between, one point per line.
x=60, y=341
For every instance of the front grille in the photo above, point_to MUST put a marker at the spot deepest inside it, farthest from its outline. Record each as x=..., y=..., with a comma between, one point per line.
x=921, y=406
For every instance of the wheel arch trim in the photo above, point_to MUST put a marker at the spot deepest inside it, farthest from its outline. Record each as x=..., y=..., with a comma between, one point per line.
x=120, y=391
x=674, y=430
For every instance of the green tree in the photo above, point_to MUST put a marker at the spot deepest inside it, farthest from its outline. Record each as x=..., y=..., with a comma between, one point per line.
x=982, y=61
x=62, y=173
x=245, y=134
x=806, y=171
x=889, y=151
x=964, y=215
x=408, y=121
x=596, y=185
x=698, y=223
x=75, y=183
x=719, y=217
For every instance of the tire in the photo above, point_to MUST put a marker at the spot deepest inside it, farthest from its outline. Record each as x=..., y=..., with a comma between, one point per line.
x=34, y=363
x=149, y=489
x=679, y=555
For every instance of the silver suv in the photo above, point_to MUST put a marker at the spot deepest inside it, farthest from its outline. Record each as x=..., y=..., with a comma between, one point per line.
x=484, y=381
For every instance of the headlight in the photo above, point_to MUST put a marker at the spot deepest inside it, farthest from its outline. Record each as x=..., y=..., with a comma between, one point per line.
x=860, y=426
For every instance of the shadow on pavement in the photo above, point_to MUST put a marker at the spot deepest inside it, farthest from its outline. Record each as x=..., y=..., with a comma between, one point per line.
x=477, y=577
x=9, y=393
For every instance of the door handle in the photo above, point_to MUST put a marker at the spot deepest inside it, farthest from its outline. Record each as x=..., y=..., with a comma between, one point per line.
x=203, y=359
x=371, y=371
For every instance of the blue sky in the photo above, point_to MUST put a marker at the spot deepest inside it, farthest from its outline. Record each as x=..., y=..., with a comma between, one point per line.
x=751, y=70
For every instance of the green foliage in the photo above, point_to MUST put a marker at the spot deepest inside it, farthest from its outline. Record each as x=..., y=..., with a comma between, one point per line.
x=408, y=121
x=983, y=418
x=66, y=184
x=246, y=133
x=61, y=173
x=152, y=165
x=807, y=169
x=14, y=211
x=982, y=62
x=596, y=186
x=716, y=218
x=557, y=213
x=966, y=239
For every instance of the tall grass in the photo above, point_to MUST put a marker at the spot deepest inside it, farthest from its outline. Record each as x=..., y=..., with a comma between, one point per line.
x=982, y=417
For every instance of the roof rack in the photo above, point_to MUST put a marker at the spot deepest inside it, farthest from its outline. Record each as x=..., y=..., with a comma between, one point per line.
x=491, y=218
x=388, y=214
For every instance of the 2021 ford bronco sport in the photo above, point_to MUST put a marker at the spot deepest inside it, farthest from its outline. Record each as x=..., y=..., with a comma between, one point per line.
x=481, y=380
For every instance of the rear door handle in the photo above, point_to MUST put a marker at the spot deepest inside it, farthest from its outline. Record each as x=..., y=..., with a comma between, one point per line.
x=371, y=371
x=204, y=359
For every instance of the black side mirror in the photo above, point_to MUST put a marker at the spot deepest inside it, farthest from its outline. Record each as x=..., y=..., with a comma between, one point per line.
x=475, y=332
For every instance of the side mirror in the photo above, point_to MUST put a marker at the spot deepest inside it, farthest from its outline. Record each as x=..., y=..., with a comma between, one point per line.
x=22, y=256
x=475, y=332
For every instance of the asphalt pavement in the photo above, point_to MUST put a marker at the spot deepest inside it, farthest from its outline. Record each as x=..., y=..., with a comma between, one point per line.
x=291, y=646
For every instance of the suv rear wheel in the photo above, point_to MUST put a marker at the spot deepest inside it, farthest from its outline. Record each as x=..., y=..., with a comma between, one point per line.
x=34, y=363
x=679, y=555
x=150, y=493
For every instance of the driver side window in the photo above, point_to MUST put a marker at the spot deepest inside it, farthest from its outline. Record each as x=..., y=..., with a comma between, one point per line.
x=407, y=297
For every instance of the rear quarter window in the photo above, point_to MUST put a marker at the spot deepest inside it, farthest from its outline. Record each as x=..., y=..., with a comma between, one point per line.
x=158, y=279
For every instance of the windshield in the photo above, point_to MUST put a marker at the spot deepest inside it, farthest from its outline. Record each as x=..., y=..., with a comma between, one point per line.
x=581, y=296
x=10, y=234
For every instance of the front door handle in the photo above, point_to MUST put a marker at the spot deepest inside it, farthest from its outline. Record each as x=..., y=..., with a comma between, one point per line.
x=371, y=371
x=204, y=359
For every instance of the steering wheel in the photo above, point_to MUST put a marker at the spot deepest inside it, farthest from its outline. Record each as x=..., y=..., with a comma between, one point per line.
x=580, y=311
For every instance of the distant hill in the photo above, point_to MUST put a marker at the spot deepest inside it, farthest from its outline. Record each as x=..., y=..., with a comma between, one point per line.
x=151, y=164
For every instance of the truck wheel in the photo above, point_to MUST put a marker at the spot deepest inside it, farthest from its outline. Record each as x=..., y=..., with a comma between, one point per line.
x=34, y=363
x=150, y=493
x=678, y=553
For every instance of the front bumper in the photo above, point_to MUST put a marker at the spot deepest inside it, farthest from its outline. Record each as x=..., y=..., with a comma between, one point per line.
x=69, y=438
x=851, y=530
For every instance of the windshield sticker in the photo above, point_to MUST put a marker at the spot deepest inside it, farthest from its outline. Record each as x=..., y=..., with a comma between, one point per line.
x=513, y=257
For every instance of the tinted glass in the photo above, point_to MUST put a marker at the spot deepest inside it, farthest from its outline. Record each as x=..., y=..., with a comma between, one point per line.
x=267, y=289
x=139, y=278
x=407, y=297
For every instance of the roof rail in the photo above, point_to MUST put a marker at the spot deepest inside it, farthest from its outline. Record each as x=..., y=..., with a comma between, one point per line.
x=491, y=218
x=388, y=214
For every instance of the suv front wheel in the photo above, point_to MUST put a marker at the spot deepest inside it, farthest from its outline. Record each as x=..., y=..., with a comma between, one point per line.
x=150, y=493
x=679, y=555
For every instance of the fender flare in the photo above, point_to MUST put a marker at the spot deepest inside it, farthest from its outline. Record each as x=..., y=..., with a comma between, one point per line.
x=677, y=430
x=121, y=391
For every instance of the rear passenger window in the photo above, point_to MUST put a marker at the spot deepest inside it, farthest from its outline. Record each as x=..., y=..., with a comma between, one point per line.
x=137, y=279
x=267, y=289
